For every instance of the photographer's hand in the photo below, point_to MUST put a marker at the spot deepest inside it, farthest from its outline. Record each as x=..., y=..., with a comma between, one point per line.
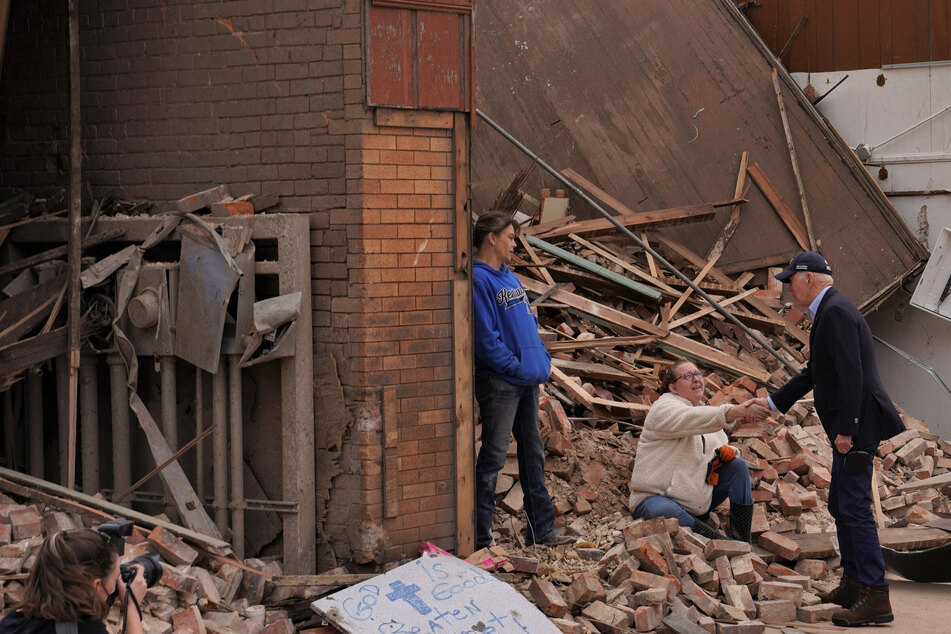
x=133, y=623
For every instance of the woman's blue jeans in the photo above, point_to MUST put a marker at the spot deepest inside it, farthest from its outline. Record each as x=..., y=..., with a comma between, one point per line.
x=505, y=410
x=734, y=483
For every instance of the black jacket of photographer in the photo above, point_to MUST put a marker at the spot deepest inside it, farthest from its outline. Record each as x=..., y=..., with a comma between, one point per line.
x=850, y=398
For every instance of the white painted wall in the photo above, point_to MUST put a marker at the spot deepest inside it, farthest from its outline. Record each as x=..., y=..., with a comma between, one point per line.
x=866, y=113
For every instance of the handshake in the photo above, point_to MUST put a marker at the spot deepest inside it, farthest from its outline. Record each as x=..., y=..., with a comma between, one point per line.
x=753, y=410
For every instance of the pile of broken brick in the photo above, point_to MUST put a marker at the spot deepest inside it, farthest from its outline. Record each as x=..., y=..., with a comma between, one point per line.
x=625, y=574
x=196, y=593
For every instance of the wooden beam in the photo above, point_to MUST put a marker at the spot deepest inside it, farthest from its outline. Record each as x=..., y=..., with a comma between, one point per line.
x=59, y=252
x=709, y=309
x=782, y=209
x=76, y=502
x=721, y=277
x=627, y=266
x=707, y=354
x=400, y=118
x=542, y=227
x=734, y=221
x=592, y=308
x=639, y=220
x=591, y=267
x=597, y=371
x=794, y=160
x=683, y=297
x=462, y=356
x=759, y=262
x=603, y=342
x=546, y=276
x=591, y=188
x=27, y=353
x=75, y=236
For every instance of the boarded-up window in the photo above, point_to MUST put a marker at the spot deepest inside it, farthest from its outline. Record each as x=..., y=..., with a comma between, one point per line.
x=421, y=54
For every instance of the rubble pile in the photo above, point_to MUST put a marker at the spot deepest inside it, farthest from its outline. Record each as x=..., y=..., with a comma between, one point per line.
x=206, y=595
x=627, y=574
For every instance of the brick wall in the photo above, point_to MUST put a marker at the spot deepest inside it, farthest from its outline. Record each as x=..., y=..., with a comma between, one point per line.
x=269, y=96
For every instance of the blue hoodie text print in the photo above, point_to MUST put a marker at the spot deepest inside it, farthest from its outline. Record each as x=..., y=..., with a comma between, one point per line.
x=509, y=297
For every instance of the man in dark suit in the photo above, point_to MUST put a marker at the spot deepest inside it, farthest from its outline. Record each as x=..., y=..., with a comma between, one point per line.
x=857, y=415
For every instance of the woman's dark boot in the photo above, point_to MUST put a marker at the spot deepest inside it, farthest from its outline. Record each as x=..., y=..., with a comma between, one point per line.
x=741, y=518
x=707, y=531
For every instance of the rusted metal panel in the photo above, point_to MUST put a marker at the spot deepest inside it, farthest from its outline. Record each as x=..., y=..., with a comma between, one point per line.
x=419, y=58
x=655, y=103
x=855, y=34
x=442, y=66
x=392, y=36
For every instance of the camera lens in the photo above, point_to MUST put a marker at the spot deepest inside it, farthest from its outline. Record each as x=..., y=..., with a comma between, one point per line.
x=151, y=569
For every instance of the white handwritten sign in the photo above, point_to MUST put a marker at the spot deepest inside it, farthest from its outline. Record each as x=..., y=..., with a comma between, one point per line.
x=436, y=594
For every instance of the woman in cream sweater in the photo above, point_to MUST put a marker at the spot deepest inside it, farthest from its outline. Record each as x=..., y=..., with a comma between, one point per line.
x=679, y=440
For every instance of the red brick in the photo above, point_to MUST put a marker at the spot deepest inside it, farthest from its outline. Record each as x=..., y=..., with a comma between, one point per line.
x=783, y=546
x=189, y=619
x=547, y=598
x=171, y=548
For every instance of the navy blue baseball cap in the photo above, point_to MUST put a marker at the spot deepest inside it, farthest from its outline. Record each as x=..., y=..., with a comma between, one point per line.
x=806, y=261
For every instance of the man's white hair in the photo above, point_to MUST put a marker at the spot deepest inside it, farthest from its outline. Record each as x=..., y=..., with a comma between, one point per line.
x=825, y=278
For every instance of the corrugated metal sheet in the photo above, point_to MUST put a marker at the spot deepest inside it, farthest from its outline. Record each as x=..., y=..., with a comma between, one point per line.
x=854, y=34
x=655, y=102
x=420, y=58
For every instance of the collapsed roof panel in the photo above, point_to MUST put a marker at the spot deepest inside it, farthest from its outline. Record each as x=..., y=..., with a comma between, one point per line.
x=655, y=103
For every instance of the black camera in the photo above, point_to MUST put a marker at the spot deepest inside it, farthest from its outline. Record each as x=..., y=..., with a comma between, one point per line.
x=151, y=569
x=116, y=531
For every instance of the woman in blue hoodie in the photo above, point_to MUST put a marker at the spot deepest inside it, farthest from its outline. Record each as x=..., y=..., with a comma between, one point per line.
x=510, y=363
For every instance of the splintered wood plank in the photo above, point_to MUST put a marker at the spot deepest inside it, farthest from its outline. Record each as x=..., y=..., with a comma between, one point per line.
x=591, y=188
x=722, y=278
x=795, y=161
x=782, y=209
x=703, y=273
x=697, y=350
x=640, y=220
x=710, y=309
x=542, y=227
x=573, y=390
x=546, y=276
x=591, y=307
x=597, y=371
x=734, y=221
x=593, y=268
x=627, y=266
x=909, y=538
x=603, y=342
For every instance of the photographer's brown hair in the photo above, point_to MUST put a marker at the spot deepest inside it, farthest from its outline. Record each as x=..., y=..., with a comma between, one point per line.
x=60, y=586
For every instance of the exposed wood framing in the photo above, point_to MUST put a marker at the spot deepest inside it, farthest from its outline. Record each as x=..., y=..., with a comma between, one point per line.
x=462, y=342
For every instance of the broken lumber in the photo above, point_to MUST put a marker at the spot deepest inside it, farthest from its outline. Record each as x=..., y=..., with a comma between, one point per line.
x=639, y=220
x=782, y=209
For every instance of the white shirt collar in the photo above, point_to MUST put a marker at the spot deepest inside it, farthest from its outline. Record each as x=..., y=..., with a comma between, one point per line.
x=814, y=306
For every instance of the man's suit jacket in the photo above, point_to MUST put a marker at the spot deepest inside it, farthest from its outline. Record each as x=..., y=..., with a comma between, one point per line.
x=850, y=397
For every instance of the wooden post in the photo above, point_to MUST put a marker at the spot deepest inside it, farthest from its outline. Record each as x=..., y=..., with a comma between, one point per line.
x=75, y=248
x=795, y=161
x=462, y=361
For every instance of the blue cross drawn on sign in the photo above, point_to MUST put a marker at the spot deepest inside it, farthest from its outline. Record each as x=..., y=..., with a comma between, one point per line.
x=408, y=593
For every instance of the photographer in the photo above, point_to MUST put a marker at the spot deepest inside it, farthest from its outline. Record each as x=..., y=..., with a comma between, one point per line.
x=74, y=581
